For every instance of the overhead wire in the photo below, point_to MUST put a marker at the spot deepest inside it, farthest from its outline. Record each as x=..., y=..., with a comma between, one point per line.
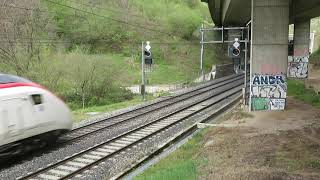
x=71, y=7
x=33, y=42
x=53, y=12
x=30, y=9
x=110, y=18
x=22, y=8
x=110, y=10
x=47, y=41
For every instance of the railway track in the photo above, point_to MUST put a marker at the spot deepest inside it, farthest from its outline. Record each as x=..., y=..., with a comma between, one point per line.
x=77, y=164
x=119, y=119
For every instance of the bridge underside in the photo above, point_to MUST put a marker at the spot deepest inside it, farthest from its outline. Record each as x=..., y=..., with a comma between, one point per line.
x=238, y=12
x=269, y=23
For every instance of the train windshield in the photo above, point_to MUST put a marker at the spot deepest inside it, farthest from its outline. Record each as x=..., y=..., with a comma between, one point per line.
x=6, y=79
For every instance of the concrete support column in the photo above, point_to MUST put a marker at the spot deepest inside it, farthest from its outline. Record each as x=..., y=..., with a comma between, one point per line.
x=269, y=54
x=298, y=64
x=301, y=38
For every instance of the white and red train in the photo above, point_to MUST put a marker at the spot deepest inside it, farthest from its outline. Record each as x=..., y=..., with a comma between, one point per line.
x=30, y=115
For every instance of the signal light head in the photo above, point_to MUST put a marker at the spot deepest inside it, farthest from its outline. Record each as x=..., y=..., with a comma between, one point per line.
x=147, y=53
x=236, y=52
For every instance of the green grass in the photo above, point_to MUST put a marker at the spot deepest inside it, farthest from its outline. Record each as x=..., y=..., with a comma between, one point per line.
x=102, y=54
x=297, y=89
x=286, y=156
x=128, y=69
x=182, y=164
x=314, y=163
x=80, y=114
x=284, y=159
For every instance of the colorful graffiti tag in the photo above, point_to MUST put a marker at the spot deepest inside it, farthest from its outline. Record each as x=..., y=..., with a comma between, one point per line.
x=268, y=92
x=263, y=104
x=298, y=66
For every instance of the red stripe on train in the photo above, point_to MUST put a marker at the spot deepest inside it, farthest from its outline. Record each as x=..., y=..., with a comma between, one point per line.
x=20, y=84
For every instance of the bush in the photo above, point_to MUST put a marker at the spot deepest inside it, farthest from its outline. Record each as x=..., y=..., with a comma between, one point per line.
x=83, y=67
x=315, y=58
x=81, y=79
x=183, y=21
x=297, y=89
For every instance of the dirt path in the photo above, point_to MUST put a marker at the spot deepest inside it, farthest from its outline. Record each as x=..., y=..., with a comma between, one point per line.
x=268, y=145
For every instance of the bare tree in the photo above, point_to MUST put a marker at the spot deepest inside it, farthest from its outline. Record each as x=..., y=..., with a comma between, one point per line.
x=22, y=27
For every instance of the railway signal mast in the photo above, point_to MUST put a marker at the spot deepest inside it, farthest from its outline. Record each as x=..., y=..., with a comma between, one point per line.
x=234, y=50
x=234, y=53
x=148, y=55
x=146, y=59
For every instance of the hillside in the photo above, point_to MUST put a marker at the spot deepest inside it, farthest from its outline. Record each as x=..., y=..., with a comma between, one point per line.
x=86, y=50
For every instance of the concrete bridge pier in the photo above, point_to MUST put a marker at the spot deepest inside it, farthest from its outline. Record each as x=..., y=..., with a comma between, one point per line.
x=298, y=64
x=301, y=38
x=269, y=54
x=269, y=42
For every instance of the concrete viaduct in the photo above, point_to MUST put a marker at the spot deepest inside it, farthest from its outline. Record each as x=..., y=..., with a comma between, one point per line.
x=270, y=20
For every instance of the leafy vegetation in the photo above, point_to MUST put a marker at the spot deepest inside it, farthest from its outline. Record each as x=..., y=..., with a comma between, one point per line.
x=315, y=27
x=297, y=89
x=81, y=114
x=315, y=58
x=182, y=164
x=88, y=51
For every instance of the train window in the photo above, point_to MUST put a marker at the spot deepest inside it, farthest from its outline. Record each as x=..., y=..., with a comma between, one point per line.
x=37, y=99
x=6, y=79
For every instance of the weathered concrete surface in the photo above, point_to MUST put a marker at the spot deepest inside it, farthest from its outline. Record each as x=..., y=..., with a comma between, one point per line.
x=299, y=62
x=270, y=20
x=269, y=54
x=270, y=37
x=301, y=38
x=238, y=12
x=153, y=89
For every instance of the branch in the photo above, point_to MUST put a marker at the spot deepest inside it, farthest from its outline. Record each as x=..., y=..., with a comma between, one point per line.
x=6, y=53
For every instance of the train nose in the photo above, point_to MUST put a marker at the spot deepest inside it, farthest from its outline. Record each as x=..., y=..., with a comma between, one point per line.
x=67, y=118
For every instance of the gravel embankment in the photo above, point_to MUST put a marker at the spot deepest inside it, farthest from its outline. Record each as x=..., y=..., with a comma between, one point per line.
x=112, y=167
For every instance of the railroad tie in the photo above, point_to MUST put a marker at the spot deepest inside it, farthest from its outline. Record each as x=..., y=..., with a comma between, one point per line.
x=84, y=160
x=49, y=177
x=91, y=156
x=76, y=164
x=100, y=153
x=58, y=172
x=67, y=168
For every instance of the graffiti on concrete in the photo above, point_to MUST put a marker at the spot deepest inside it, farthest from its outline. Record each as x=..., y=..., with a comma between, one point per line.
x=264, y=104
x=268, y=92
x=298, y=66
x=260, y=104
x=276, y=104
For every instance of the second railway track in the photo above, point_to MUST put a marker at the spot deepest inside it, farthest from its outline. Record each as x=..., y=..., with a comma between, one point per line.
x=119, y=119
